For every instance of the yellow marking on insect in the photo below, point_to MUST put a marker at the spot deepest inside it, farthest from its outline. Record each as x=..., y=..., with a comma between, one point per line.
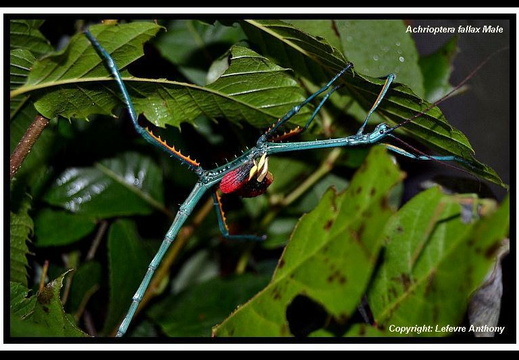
x=173, y=149
x=261, y=167
x=264, y=168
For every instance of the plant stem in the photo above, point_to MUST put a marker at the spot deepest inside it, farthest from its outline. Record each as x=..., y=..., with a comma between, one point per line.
x=103, y=226
x=26, y=143
x=45, y=268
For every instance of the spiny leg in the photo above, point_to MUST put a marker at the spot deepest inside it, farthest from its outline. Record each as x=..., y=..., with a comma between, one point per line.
x=389, y=80
x=268, y=134
x=144, y=132
x=223, y=225
x=299, y=129
x=185, y=209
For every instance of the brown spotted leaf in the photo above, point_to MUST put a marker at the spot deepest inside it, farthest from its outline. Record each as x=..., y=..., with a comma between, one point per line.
x=435, y=259
x=330, y=256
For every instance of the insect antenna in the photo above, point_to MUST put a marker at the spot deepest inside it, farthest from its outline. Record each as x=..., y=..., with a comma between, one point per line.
x=433, y=105
x=431, y=157
x=451, y=92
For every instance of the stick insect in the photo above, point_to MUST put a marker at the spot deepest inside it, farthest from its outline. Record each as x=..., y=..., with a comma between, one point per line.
x=248, y=175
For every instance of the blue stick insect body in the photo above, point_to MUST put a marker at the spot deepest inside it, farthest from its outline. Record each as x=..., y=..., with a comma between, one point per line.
x=248, y=174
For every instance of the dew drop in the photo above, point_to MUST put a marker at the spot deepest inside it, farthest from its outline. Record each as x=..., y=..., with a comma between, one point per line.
x=401, y=59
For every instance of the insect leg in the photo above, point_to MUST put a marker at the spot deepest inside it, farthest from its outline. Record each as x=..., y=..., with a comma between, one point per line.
x=185, y=210
x=408, y=154
x=268, y=134
x=223, y=225
x=145, y=133
x=389, y=79
x=299, y=129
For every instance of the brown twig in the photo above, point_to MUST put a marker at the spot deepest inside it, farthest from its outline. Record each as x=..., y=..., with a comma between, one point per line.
x=43, y=276
x=25, y=145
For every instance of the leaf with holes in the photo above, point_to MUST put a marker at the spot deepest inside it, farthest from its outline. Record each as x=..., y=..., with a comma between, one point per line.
x=330, y=256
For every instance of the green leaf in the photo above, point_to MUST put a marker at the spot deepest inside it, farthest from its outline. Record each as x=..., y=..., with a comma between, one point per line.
x=437, y=68
x=320, y=28
x=196, y=310
x=128, y=258
x=56, y=228
x=48, y=314
x=330, y=256
x=365, y=330
x=76, y=84
x=312, y=57
x=318, y=61
x=61, y=81
x=79, y=59
x=20, y=62
x=312, y=197
x=287, y=172
x=380, y=47
x=95, y=191
x=192, y=45
x=20, y=304
x=21, y=227
x=69, y=85
x=25, y=34
x=433, y=262
x=252, y=89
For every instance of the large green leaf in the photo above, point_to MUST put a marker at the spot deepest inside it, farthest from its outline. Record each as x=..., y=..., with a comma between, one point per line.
x=193, y=45
x=251, y=89
x=391, y=50
x=95, y=191
x=68, y=84
x=436, y=70
x=58, y=227
x=330, y=256
x=433, y=261
x=317, y=60
x=75, y=83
